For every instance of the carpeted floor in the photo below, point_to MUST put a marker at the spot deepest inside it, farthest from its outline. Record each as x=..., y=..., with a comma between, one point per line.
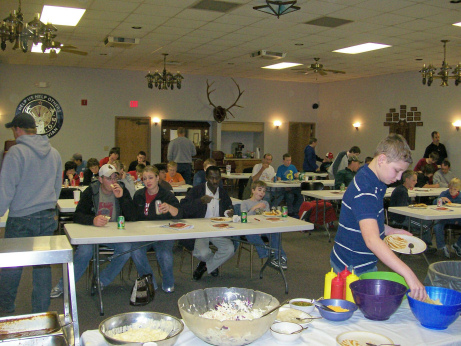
x=308, y=262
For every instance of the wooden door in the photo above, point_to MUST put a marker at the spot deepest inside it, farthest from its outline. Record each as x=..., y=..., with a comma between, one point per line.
x=298, y=138
x=132, y=135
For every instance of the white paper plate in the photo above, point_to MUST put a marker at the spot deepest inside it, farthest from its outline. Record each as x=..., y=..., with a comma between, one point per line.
x=453, y=205
x=222, y=225
x=422, y=189
x=278, y=215
x=419, y=245
x=359, y=338
x=221, y=219
x=414, y=206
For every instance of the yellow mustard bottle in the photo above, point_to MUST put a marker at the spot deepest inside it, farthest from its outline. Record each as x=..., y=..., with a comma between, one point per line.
x=350, y=279
x=327, y=288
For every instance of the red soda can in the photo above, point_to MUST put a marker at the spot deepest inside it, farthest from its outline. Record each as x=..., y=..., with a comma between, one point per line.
x=157, y=205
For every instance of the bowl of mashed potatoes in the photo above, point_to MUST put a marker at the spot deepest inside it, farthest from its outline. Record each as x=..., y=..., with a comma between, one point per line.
x=227, y=316
x=138, y=328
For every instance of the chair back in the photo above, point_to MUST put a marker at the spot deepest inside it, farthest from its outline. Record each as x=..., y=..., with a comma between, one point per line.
x=67, y=193
x=311, y=185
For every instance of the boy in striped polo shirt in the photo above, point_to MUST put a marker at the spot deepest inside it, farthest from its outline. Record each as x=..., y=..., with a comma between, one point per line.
x=359, y=240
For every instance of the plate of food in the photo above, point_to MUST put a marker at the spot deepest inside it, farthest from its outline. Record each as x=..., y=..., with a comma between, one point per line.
x=443, y=209
x=272, y=213
x=275, y=219
x=179, y=225
x=222, y=225
x=401, y=243
x=221, y=219
x=418, y=206
x=362, y=338
x=453, y=205
x=421, y=189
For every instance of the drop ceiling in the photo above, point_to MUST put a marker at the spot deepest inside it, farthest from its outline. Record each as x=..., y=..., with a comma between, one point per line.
x=210, y=42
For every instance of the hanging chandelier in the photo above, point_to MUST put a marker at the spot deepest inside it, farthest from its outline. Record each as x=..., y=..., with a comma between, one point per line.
x=164, y=81
x=278, y=8
x=430, y=73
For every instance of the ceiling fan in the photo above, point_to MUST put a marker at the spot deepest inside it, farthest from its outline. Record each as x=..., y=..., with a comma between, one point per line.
x=317, y=68
x=14, y=30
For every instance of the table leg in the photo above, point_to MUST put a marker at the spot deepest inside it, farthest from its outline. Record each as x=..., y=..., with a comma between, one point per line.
x=96, y=280
x=73, y=301
x=279, y=257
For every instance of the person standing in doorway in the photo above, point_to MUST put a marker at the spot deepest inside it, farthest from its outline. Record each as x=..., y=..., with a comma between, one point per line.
x=181, y=150
x=30, y=184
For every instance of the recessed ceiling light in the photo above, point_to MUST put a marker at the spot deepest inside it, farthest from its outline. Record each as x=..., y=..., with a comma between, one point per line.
x=136, y=27
x=282, y=65
x=299, y=44
x=419, y=59
x=361, y=48
x=457, y=24
x=37, y=48
x=61, y=15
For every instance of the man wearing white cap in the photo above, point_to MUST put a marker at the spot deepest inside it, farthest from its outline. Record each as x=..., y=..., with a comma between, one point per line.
x=30, y=184
x=103, y=201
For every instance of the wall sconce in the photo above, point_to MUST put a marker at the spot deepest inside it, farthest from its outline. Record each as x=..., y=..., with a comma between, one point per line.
x=356, y=125
x=277, y=123
x=156, y=121
x=457, y=124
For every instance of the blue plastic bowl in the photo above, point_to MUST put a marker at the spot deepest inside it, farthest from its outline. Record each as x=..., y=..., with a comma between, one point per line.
x=337, y=316
x=437, y=316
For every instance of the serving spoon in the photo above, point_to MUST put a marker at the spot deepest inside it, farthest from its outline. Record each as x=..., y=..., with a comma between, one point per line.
x=275, y=308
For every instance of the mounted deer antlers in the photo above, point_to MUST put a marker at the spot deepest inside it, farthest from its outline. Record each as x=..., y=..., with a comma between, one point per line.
x=220, y=113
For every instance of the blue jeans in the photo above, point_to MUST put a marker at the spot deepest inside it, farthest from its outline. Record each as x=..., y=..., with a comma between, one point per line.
x=292, y=196
x=42, y=223
x=185, y=169
x=257, y=240
x=84, y=254
x=440, y=233
x=164, y=252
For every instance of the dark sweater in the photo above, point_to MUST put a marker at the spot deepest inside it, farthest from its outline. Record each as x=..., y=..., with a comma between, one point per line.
x=139, y=201
x=194, y=208
x=399, y=198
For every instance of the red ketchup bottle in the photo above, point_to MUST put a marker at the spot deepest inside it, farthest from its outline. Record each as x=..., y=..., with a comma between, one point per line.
x=343, y=275
x=337, y=288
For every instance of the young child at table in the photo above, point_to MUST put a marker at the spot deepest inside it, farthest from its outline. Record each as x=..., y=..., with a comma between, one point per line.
x=144, y=201
x=137, y=174
x=451, y=195
x=255, y=205
x=173, y=177
x=69, y=173
x=359, y=240
x=91, y=172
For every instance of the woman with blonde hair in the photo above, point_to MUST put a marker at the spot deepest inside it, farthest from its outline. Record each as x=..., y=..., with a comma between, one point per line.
x=451, y=195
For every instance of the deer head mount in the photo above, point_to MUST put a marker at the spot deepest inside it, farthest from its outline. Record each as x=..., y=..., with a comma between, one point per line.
x=220, y=113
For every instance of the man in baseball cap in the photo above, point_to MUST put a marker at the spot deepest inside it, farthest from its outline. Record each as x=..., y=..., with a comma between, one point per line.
x=30, y=184
x=346, y=175
x=327, y=161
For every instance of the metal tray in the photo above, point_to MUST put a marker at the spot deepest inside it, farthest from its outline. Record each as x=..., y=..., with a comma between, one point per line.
x=27, y=326
x=45, y=340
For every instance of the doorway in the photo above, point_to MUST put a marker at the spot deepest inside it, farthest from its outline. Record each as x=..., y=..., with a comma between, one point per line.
x=298, y=138
x=132, y=134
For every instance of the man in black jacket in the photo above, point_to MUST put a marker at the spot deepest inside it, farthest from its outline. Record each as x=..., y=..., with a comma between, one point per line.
x=207, y=200
x=102, y=202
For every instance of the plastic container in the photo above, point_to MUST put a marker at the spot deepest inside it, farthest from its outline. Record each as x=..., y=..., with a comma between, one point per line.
x=337, y=288
x=444, y=274
x=437, y=317
x=350, y=279
x=377, y=299
x=327, y=287
x=391, y=276
x=337, y=316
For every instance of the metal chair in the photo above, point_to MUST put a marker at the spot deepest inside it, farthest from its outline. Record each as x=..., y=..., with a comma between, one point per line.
x=251, y=249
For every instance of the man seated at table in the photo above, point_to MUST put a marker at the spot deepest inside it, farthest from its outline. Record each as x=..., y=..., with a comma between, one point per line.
x=444, y=175
x=172, y=176
x=451, y=195
x=162, y=170
x=199, y=176
x=430, y=161
x=346, y=175
x=141, y=158
x=102, y=202
x=400, y=198
x=81, y=164
x=425, y=177
x=265, y=172
x=114, y=154
x=292, y=195
x=137, y=174
x=91, y=172
x=207, y=200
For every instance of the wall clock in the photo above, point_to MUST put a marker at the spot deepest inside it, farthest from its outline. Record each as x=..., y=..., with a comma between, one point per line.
x=46, y=111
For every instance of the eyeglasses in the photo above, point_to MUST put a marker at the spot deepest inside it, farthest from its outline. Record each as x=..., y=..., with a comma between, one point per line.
x=114, y=178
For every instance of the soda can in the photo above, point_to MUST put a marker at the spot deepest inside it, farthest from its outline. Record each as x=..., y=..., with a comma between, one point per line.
x=157, y=206
x=121, y=222
x=244, y=217
x=439, y=202
x=284, y=211
x=66, y=183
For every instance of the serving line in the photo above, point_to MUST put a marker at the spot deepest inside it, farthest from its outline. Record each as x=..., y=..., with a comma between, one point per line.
x=45, y=250
x=148, y=231
x=402, y=328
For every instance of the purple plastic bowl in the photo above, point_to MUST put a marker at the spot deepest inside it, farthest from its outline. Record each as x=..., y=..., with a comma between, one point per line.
x=377, y=299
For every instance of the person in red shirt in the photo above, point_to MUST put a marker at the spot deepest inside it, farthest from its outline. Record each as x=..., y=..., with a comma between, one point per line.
x=114, y=154
x=69, y=173
x=431, y=160
x=173, y=177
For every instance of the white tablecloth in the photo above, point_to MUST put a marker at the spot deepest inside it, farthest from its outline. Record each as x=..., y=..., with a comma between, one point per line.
x=403, y=328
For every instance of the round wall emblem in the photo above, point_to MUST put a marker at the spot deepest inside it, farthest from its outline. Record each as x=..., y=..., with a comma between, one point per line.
x=46, y=111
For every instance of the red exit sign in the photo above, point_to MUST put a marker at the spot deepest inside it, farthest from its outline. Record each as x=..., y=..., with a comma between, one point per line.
x=133, y=104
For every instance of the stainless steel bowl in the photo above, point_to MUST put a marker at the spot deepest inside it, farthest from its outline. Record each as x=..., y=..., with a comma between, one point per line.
x=117, y=322
x=226, y=333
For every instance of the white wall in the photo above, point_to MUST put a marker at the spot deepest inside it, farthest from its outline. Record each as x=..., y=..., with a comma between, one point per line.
x=368, y=100
x=88, y=129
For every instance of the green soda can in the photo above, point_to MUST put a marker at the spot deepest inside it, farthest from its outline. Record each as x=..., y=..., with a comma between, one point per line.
x=244, y=217
x=121, y=222
x=284, y=211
